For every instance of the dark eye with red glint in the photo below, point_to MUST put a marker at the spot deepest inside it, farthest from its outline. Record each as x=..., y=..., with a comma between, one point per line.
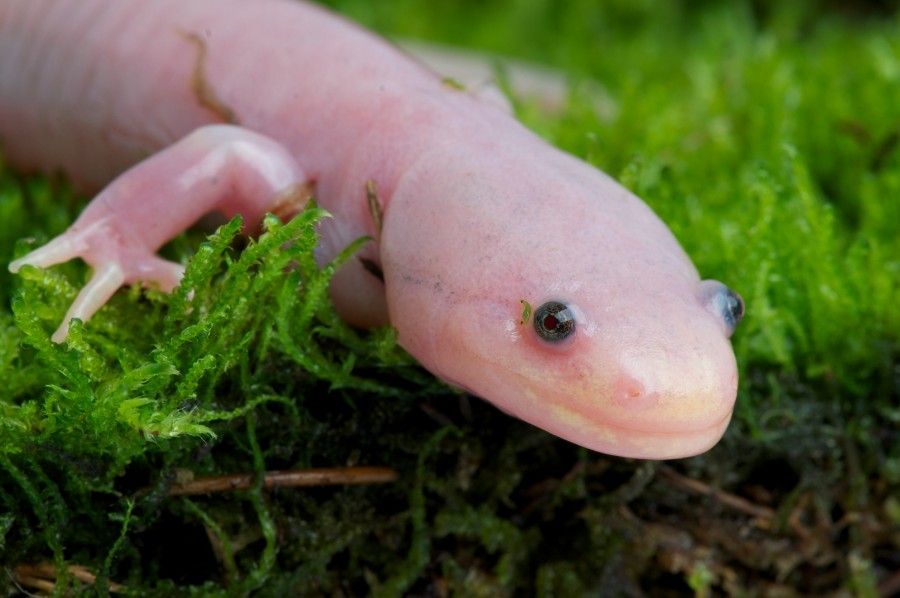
x=554, y=321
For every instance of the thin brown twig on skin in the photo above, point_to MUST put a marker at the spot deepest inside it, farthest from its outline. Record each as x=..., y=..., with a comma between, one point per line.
x=203, y=91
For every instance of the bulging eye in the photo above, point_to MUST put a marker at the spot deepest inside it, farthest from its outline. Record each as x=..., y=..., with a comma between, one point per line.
x=554, y=322
x=732, y=309
x=723, y=303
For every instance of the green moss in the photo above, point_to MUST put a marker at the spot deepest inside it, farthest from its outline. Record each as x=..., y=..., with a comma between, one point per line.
x=765, y=134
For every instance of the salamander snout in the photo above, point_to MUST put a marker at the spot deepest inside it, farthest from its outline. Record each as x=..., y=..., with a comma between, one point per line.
x=723, y=303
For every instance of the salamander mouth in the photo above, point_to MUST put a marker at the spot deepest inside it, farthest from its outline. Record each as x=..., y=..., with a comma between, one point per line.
x=660, y=430
x=649, y=441
x=640, y=435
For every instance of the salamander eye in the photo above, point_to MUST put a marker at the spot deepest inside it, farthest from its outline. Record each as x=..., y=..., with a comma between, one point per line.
x=554, y=321
x=732, y=309
x=723, y=303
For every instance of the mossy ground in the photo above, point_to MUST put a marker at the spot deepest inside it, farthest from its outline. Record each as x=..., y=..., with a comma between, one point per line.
x=765, y=134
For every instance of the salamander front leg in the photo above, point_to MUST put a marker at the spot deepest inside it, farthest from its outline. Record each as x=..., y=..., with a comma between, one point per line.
x=218, y=167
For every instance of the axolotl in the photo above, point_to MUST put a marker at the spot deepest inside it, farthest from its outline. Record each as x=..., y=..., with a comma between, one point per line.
x=509, y=268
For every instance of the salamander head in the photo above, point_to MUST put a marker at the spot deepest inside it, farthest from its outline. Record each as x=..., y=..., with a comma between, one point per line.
x=574, y=309
x=599, y=369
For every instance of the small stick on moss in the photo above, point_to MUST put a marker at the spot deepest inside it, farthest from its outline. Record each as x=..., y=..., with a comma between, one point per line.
x=326, y=476
x=40, y=576
x=732, y=500
x=37, y=583
x=890, y=585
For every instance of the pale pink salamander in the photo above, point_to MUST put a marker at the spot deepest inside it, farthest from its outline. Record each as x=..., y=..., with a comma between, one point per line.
x=626, y=350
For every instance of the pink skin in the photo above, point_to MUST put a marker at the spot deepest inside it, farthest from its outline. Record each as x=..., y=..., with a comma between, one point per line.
x=479, y=213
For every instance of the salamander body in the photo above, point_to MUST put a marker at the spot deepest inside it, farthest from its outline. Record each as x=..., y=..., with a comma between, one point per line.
x=509, y=268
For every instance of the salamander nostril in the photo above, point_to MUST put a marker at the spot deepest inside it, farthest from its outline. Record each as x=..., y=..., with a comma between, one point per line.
x=630, y=391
